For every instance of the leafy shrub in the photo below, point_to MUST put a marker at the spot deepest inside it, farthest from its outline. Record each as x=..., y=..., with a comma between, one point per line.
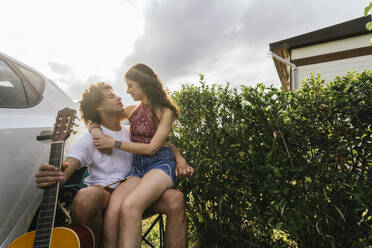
x=276, y=168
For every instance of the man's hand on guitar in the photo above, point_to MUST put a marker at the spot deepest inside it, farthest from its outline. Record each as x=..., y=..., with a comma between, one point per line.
x=49, y=174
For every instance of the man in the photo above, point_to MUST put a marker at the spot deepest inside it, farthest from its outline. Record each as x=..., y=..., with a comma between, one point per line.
x=101, y=105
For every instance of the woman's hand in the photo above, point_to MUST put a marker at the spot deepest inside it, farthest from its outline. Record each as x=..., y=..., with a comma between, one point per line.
x=104, y=142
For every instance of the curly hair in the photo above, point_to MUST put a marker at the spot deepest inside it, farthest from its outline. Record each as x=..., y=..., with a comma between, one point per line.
x=153, y=89
x=91, y=98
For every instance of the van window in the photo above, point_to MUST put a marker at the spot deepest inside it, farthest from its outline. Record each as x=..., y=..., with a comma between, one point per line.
x=12, y=93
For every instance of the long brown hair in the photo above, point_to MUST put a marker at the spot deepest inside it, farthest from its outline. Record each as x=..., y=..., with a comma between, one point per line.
x=153, y=89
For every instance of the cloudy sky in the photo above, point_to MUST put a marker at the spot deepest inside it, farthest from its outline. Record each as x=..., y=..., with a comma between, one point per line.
x=77, y=42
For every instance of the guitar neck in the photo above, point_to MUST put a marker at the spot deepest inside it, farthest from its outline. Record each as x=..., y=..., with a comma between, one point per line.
x=48, y=205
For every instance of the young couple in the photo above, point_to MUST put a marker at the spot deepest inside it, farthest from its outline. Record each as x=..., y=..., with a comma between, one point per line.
x=117, y=210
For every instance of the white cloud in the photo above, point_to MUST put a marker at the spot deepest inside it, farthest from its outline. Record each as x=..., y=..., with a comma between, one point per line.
x=91, y=37
x=76, y=42
x=228, y=41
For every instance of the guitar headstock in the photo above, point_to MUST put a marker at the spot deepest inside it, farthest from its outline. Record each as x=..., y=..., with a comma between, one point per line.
x=64, y=124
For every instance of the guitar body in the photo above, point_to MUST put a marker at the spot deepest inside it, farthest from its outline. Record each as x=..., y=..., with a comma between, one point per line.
x=75, y=236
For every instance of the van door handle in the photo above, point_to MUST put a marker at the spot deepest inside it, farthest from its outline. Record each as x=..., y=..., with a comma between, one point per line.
x=45, y=135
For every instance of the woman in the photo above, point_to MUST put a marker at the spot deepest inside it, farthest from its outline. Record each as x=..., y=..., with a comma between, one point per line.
x=153, y=162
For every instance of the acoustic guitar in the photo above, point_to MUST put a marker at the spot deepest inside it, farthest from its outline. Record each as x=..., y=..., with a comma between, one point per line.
x=46, y=236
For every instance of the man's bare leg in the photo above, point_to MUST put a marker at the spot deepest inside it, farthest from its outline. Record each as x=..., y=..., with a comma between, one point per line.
x=172, y=204
x=88, y=209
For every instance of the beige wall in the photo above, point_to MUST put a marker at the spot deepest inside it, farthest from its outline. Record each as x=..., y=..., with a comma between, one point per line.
x=329, y=70
x=330, y=47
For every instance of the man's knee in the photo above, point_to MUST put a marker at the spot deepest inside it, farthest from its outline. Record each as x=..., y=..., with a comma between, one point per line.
x=174, y=202
x=88, y=202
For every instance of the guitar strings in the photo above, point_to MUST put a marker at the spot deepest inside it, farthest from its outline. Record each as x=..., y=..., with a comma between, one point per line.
x=48, y=206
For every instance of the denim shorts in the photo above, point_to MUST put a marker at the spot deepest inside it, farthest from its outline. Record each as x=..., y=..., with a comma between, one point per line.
x=163, y=160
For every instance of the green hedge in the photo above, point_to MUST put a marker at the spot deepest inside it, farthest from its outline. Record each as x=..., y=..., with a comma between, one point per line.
x=275, y=168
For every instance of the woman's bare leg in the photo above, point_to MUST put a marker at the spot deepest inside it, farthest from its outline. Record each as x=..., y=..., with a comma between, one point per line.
x=145, y=193
x=111, y=219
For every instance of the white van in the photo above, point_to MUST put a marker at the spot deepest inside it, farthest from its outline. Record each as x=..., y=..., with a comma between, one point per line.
x=29, y=103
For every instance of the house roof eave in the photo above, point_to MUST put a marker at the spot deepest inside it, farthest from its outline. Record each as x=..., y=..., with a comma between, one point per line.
x=339, y=31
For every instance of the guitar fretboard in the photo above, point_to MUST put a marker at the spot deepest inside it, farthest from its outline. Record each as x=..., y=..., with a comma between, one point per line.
x=48, y=205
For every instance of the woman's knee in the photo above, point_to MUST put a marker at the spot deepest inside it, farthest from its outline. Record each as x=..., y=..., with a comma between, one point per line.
x=129, y=208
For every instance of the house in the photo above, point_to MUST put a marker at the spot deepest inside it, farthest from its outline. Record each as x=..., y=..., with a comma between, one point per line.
x=330, y=51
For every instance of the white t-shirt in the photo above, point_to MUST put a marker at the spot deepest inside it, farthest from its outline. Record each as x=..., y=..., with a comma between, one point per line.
x=103, y=169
